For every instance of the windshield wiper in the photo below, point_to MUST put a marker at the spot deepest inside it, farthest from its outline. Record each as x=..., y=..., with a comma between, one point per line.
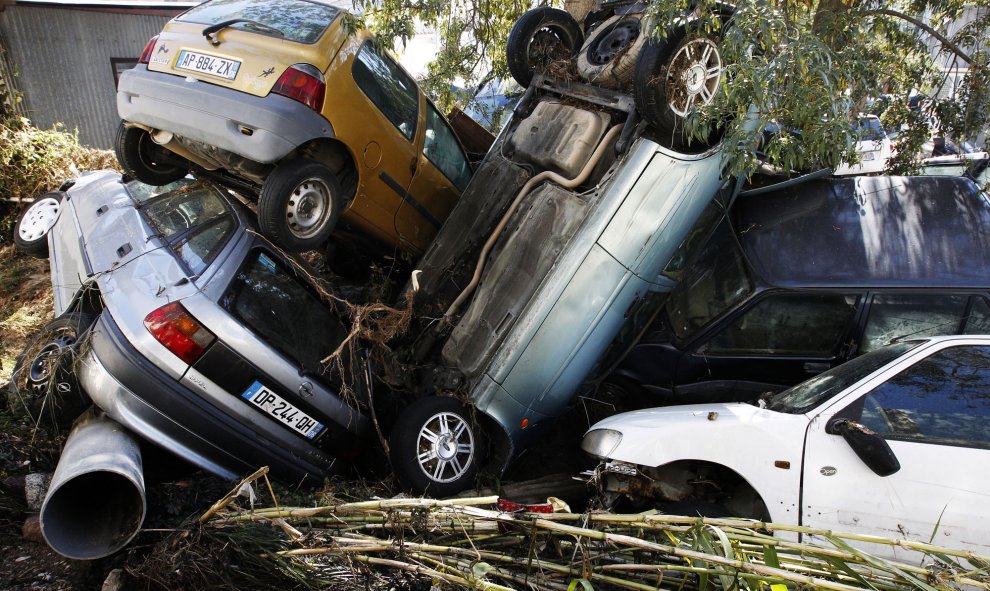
x=209, y=32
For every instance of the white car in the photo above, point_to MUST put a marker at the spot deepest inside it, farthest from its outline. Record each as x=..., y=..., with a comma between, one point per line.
x=893, y=443
x=873, y=147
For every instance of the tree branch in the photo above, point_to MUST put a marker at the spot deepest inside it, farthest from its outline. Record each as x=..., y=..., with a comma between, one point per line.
x=945, y=41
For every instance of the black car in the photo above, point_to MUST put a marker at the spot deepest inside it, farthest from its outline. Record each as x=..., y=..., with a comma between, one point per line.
x=798, y=280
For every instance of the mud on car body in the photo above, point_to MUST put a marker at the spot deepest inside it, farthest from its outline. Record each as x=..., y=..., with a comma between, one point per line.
x=190, y=330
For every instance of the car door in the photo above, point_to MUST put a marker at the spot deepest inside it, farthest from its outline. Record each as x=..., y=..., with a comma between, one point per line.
x=442, y=173
x=934, y=412
x=778, y=339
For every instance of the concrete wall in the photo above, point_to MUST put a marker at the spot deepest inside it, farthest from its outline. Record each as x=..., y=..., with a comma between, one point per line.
x=62, y=55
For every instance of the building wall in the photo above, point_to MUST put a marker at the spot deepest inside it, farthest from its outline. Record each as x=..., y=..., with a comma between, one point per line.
x=62, y=55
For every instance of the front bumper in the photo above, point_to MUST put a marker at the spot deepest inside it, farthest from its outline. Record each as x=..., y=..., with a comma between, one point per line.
x=218, y=116
x=159, y=409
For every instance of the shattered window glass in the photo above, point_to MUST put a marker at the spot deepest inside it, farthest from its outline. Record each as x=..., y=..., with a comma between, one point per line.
x=296, y=20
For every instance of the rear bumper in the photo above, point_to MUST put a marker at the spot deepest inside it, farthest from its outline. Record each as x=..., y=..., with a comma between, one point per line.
x=158, y=408
x=216, y=116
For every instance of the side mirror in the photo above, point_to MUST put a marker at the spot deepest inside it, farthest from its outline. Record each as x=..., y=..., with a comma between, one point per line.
x=870, y=447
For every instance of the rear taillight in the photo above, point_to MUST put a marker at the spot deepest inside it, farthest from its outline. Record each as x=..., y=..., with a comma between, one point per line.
x=148, y=50
x=303, y=83
x=181, y=334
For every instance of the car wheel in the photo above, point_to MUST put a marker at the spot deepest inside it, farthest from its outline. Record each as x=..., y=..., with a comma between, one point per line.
x=143, y=159
x=609, y=55
x=300, y=204
x=435, y=447
x=541, y=37
x=673, y=79
x=31, y=230
x=43, y=383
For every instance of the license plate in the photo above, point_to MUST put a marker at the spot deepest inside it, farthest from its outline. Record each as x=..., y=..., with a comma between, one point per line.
x=207, y=64
x=277, y=407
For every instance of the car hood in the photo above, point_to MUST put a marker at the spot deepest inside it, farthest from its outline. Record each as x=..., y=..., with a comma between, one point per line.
x=713, y=432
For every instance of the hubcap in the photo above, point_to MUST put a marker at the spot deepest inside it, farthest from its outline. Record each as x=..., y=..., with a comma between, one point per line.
x=308, y=208
x=39, y=219
x=45, y=362
x=445, y=447
x=619, y=38
x=694, y=76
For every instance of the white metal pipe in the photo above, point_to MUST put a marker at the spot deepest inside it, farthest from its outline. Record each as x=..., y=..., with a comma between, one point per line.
x=96, y=501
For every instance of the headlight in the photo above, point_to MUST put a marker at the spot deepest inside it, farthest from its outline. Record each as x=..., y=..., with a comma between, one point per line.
x=600, y=443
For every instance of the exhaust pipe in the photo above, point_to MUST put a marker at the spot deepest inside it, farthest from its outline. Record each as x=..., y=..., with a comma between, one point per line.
x=95, y=504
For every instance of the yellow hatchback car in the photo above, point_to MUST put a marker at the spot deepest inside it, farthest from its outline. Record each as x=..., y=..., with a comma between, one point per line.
x=280, y=100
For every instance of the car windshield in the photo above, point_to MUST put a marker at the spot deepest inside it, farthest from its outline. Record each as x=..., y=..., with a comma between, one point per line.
x=192, y=219
x=716, y=281
x=296, y=20
x=809, y=394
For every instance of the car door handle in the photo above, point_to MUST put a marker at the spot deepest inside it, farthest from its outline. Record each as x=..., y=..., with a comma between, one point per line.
x=816, y=366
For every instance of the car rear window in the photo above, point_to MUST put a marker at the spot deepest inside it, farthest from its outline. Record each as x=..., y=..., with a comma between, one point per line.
x=279, y=306
x=296, y=20
x=192, y=219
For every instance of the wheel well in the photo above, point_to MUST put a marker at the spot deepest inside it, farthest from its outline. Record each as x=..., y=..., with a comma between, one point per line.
x=87, y=300
x=497, y=443
x=338, y=157
x=696, y=481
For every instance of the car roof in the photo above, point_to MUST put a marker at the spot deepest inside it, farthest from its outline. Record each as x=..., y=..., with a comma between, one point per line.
x=880, y=231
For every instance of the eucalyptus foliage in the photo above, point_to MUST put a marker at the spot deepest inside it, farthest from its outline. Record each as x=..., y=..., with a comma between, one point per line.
x=806, y=68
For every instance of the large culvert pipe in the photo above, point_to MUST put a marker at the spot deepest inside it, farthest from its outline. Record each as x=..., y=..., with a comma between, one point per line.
x=95, y=503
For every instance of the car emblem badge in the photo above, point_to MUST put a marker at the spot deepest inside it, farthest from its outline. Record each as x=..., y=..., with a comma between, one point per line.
x=162, y=49
x=828, y=471
x=268, y=72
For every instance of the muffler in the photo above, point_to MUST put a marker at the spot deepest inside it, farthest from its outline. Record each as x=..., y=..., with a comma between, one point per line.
x=95, y=504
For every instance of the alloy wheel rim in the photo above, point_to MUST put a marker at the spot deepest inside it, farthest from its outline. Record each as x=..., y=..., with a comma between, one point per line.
x=694, y=76
x=44, y=363
x=445, y=447
x=308, y=208
x=39, y=219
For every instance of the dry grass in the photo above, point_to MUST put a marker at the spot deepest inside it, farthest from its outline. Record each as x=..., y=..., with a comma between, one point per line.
x=25, y=304
x=33, y=161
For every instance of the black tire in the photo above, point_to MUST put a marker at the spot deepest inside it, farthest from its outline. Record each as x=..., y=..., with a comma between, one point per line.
x=419, y=459
x=32, y=228
x=43, y=384
x=300, y=204
x=146, y=161
x=609, y=54
x=540, y=37
x=664, y=98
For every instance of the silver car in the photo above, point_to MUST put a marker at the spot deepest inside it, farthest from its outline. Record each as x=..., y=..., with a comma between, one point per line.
x=188, y=328
x=575, y=222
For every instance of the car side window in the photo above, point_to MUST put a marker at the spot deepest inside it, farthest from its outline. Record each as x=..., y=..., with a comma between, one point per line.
x=387, y=86
x=897, y=316
x=269, y=298
x=943, y=399
x=441, y=148
x=788, y=324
